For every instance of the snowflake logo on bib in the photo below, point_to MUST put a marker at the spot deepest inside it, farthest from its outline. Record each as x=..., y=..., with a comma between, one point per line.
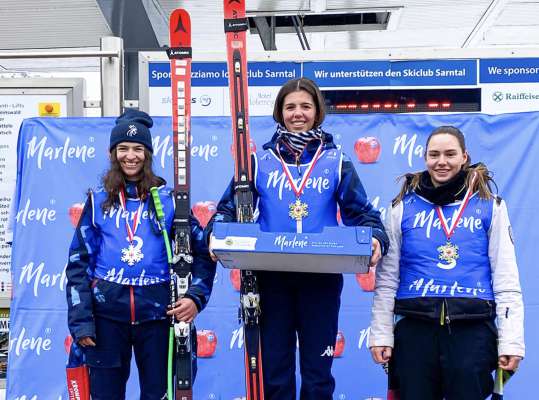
x=133, y=254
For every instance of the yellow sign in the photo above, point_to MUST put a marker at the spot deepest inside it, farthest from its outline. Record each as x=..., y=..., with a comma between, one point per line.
x=4, y=320
x=49, y=109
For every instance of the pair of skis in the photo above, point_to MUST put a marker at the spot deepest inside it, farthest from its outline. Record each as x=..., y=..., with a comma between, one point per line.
x=179, y=53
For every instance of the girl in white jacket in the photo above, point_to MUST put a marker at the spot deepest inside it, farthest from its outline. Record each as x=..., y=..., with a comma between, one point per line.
x=449, y=273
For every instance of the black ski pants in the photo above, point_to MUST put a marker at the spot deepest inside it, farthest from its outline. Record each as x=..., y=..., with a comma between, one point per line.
x=451, y=362
x=300, y=308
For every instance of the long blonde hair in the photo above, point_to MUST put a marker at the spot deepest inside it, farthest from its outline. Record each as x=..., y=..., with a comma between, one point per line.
x=480, y=171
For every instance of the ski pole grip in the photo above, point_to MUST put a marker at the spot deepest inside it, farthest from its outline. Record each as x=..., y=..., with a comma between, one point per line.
x=161, y=219
x=158, y=206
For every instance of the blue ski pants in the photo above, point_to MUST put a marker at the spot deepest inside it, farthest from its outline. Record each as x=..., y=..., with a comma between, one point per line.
x=298, y=308
x=110, y=360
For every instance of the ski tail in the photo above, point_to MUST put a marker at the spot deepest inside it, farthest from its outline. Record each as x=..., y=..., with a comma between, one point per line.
x=180, y=54
x=253, y=366
x=236, y=24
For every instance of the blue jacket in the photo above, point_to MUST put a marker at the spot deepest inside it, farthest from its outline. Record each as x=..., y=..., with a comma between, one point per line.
x=88, y=296
x=350, y=195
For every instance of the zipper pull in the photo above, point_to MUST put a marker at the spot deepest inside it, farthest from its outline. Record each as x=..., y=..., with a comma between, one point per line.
x=298, y=164
x=442, y=314
x=447, y=319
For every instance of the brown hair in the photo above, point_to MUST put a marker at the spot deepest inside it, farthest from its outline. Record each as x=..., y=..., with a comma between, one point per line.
x=114, y=180
x=295, y=85
x=482, y=174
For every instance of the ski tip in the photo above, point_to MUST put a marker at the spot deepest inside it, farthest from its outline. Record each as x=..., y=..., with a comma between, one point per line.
x=180, y=28
x=234, y=8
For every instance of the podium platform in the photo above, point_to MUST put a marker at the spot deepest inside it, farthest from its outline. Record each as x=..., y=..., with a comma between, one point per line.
x=334, y=250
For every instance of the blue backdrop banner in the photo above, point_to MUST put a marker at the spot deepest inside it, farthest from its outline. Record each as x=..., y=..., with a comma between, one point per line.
x=59, y=159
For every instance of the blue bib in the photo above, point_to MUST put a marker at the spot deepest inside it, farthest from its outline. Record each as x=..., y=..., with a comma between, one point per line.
x=276, y=194
x=142, y=262
x=424, y=272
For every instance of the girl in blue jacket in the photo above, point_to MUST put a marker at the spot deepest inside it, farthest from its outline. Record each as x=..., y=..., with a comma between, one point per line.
x=301, y=169
x=117, y=274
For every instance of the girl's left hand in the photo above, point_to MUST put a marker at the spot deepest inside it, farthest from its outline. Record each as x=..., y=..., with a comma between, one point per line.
x=509, y=363
x=376, y=253
x=184, y=310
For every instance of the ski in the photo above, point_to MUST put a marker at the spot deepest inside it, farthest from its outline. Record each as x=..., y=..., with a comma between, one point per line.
x=180, y=375
x=235, y=26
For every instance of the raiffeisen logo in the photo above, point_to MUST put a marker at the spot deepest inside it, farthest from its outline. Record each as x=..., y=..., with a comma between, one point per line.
x=497, y=96
x=162, y=148
x=40, y=150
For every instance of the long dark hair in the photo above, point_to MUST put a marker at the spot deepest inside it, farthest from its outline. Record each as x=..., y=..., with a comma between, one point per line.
x=114, y=180
x=295, y=85
x=480, y=171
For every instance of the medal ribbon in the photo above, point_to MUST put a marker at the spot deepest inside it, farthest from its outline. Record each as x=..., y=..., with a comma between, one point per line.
x=136, y=220
x=298, y=189
x=449, y=231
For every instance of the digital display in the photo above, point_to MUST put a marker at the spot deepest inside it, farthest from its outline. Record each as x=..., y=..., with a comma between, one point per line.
x=357, y=101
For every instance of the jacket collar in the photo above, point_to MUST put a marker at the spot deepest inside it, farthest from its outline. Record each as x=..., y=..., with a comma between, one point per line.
x=307, y=154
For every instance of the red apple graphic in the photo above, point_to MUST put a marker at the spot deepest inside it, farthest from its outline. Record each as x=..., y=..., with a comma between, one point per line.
x=67, y=343
x=235, y=279
x=252, y=145
x=203, y=211
x=75, y=211
x=366, y=281
x=339, y=344
x=206, y=343
x=367, y=149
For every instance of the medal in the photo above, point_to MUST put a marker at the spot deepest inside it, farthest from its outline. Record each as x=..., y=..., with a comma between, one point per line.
x=449, y=252
x=133, y=253
x=298, y=209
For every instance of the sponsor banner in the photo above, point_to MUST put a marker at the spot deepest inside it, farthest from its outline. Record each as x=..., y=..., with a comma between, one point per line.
x=59, y=159
x=392, y=73
x=211, y=95
x=505, y=97
x=216, y=74
x=214, y=101
x=509, y=70
x=205, y=101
